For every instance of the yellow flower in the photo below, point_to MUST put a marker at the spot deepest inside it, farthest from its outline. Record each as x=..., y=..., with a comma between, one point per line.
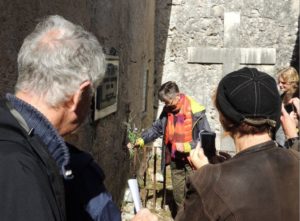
x=140, y=142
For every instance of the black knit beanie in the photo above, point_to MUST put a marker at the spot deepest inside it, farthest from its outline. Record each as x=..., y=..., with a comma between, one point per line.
x=248, y=95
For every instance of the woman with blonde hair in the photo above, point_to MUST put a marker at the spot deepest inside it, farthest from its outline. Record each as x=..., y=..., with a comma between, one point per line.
x=288, y=82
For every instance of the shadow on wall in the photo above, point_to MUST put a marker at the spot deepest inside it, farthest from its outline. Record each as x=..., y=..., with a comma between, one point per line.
x=295, y=57
x=162, y=16
x=18, y=19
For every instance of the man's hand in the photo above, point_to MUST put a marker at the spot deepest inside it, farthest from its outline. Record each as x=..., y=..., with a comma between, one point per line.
x=139, y=143
x=145, y=215
x=197, y=157
x=179, y=147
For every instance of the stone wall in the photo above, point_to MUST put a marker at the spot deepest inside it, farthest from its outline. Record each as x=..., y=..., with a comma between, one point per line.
x=127, y=26
x=192, y=23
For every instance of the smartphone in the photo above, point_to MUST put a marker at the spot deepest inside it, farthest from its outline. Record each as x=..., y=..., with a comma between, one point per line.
x=289, y=108
x=208, y=143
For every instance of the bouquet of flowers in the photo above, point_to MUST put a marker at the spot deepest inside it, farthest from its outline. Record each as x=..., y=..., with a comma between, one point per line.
x=133, y=135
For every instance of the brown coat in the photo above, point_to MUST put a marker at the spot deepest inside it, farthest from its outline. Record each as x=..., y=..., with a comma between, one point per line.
x=260, y=183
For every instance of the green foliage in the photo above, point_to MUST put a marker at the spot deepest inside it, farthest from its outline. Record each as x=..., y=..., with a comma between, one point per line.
x=133, y=133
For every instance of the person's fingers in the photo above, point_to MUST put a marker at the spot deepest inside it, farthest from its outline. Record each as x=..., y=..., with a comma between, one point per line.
x=145, y=215
x=224, y=154
x=179, y=147
x=129, y=145
x=200, y=152
x=195, y=152
x=198, y=158
x=192, y=152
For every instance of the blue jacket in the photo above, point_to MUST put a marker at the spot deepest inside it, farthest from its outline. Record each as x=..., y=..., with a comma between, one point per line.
x=86, y=196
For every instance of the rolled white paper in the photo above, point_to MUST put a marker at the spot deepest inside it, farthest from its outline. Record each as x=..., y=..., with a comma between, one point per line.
x=134, y=189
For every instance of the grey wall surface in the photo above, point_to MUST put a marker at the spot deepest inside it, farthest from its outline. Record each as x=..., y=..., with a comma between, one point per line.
x=127, y=26
x=193, y=23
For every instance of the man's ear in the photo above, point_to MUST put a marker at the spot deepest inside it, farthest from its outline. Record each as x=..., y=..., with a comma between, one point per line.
x=78, y=96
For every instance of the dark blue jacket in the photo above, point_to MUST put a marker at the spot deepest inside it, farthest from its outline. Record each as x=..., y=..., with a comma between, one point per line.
x=86, y=196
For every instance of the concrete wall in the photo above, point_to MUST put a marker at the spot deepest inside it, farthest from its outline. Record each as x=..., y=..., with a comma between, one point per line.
x=193, y=23
x=127, y=26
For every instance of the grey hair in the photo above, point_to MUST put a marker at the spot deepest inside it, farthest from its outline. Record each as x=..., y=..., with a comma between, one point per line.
x=56, y=58
x=168, y=90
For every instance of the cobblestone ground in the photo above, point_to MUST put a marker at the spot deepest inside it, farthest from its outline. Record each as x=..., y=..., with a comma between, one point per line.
x=164, y=212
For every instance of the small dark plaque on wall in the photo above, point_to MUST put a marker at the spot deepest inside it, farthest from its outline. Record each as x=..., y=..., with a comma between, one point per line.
x=106, y=93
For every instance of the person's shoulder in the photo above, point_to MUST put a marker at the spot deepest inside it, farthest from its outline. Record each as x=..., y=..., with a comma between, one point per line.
x=10, y=128
x=79, y=158
x=82, y=163
x=292, y=152
x=195, y=106
x=13, y=148
x=16, y=157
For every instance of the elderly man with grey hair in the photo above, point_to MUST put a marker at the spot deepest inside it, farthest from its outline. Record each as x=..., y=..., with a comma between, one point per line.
x=58, y=65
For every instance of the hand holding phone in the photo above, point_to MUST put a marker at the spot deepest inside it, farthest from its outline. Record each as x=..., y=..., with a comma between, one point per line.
x=198, y=158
